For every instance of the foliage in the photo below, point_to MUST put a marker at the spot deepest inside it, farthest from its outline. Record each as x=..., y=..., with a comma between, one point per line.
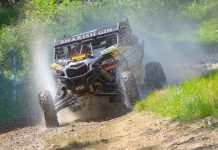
x=8, y=15
x=204, y=14
x=190, y=101
x=201, y=10
x=209, y=30
x=19, y=36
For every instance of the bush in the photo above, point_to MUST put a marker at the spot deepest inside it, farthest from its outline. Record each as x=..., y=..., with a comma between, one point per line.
x=8, y=15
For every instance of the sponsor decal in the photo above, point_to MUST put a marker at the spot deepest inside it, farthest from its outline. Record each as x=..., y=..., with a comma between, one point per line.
x=86, y=35
x=108, y=50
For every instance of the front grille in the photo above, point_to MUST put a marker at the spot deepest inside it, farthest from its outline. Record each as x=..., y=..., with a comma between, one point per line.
x=76, y=70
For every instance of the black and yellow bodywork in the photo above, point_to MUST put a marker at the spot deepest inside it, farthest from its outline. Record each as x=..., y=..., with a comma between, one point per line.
x=89, y=62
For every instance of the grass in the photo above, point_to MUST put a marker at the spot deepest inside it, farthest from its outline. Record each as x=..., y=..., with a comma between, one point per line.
x=192, y=100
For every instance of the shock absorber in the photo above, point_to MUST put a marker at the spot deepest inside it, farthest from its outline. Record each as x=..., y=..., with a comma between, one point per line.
x=106, y=75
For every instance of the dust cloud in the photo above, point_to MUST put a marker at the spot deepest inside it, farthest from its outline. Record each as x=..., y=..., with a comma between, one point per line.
x=98, y=107
x=93, y=108
x=181, y=60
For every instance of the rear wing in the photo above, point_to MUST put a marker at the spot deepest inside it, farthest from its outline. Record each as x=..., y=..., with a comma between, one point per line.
x=122, y=28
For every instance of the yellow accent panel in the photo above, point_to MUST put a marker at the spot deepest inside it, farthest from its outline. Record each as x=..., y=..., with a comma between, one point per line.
x=115, y=52
x=83, y=56
x=55, y=66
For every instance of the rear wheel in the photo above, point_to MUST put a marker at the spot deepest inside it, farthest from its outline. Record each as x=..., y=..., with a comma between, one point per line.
x=129, y=89
x=154, y=75
x=47, y=105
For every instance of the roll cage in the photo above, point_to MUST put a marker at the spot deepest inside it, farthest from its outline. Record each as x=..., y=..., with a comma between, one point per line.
x=90, y=41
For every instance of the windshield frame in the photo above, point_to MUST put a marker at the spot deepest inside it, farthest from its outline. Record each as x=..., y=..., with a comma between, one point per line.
x=92, y=44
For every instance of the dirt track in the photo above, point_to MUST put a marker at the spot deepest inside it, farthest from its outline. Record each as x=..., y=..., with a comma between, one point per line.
x=132, y=131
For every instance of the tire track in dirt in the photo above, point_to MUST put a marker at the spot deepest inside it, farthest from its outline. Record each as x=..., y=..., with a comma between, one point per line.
x=131, y=131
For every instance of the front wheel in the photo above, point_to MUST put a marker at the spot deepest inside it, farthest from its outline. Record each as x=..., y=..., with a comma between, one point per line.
x=47, y=105
x=129, y=89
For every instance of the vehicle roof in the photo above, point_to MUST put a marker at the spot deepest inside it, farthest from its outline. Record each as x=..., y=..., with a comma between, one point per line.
x=88, y=35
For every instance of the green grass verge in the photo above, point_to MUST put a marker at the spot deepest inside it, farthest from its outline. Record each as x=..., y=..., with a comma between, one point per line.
x=190, y=101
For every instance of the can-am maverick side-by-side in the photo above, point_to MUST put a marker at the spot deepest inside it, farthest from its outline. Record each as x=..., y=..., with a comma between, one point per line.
x=102, y=62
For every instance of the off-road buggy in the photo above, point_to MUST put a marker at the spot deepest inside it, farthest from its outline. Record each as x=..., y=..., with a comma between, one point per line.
x=102, y=62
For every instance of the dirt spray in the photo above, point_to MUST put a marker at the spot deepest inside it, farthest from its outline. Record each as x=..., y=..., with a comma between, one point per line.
x=41, y=66
x=43, y=78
